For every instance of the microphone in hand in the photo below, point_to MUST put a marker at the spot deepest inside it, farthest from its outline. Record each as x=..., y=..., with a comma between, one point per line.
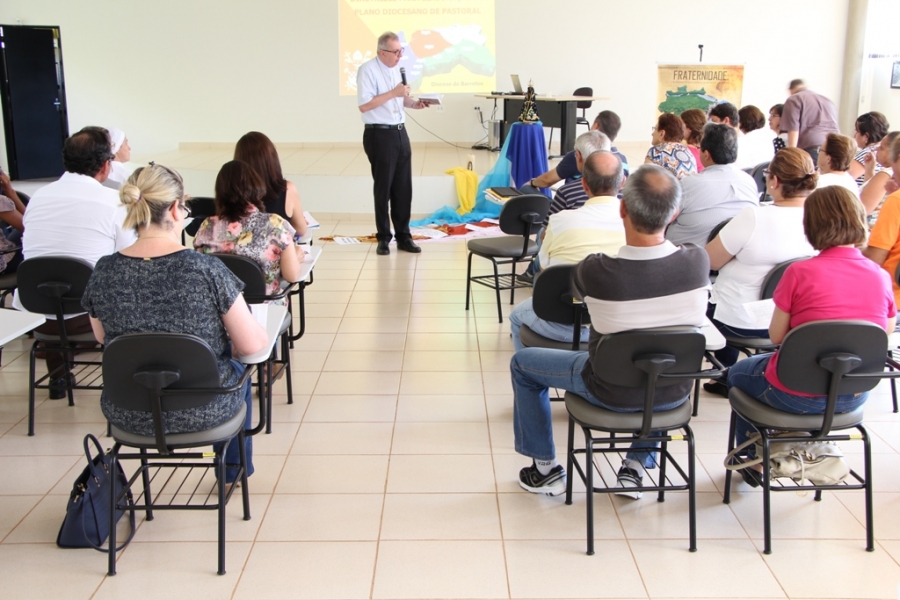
x=403, y=75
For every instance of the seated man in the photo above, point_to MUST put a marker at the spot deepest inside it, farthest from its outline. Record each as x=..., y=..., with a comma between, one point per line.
x=720, y=192
x=608, y=123
x=572, y=235
x=652, y=283
x=77, y=217
x=570, y=195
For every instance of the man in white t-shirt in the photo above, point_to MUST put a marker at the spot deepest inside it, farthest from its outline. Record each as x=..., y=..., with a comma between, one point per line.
x=76, y=217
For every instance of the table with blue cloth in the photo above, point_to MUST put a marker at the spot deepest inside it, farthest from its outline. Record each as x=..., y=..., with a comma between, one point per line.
x=527, y=152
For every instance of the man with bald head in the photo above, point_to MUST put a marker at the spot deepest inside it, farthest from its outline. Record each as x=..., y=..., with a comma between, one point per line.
x=571, y=235
x=650, y=283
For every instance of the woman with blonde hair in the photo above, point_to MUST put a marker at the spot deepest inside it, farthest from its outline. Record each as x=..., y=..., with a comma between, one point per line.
x=158, y=285
x=281, y=197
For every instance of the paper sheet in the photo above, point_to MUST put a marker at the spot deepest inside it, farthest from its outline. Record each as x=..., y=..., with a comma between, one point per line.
x=345, y=241
x=310, y=221
x=760, y=311
x=261, y=313
x=427, y=232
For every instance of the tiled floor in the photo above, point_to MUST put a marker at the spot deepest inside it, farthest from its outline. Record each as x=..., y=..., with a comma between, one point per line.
x=393, y=476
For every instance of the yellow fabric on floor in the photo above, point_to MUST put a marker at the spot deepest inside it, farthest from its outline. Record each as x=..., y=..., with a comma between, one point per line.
x=466, y=187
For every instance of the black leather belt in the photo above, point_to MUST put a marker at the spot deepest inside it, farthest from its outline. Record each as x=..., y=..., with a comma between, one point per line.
x=398, y=127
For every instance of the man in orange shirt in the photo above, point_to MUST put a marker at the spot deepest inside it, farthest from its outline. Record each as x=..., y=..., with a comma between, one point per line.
x=884, y=241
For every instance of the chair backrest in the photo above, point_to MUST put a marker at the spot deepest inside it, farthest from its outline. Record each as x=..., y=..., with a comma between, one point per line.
x=53, y=285
x=715, y=230
x=523, y=214
x=137, y=367
x=649, y=358
x=774, y=277
x=250, y=273
x=815, y=358
x=758, y=175
x=552, y=298
x=583, y=91
x=23, y=197
x=201, y=208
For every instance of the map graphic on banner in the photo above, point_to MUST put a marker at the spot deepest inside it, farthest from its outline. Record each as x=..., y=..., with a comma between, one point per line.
x=682, y=87
x=448, y=45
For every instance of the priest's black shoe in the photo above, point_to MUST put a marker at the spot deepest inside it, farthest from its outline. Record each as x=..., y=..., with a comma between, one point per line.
x=408, y=246
x=382, y=248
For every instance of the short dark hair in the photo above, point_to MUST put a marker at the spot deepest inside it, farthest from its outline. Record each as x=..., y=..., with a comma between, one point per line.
x=238, y=187
x=795, y=83
x=672, y=125
x=720, y=141
x=694, y=119
x=778, y=108
x=751, y=118
x=651, y=196
x=87, y=151
x=725, y=110
x=258, y=151
x=840, y=150
x=832, y=216
x=609, y=123
x=600, y=179
x=873, y=125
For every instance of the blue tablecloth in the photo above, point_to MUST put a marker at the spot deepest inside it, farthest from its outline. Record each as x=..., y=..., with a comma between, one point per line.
x=527, y=152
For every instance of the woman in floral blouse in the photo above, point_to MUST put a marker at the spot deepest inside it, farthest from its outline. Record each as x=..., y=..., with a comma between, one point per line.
x=240, y=227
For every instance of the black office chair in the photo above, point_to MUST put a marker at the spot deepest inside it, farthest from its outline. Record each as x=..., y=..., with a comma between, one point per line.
x=552, y=300
x=644, y=359
x=824, y=358
x=519, y=218
x=759, y=176
x=201, y=207
x=53, y=285
x=254, y=280
x=158, y=373
x=581, y=105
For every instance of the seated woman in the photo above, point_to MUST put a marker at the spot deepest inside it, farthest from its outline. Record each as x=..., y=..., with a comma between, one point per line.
x=667, y=150
x=118, y=172
x=241, y=227
x=281, y=197
x=874, y=189
x=11, y=211
x=834, y=160
x=158, y=285
x=839, y=283
x=755, y=147
x=780, y=139
x=694, y=121
x=756, y=240
x=868, y=131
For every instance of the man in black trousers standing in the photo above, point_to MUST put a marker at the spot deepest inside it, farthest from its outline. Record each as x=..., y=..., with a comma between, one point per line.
x=383, y=99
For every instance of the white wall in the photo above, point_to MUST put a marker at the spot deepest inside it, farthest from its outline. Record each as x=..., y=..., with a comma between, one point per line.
x=170, y=71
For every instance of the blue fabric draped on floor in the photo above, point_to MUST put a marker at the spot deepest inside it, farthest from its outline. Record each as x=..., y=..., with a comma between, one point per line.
x=523, y=157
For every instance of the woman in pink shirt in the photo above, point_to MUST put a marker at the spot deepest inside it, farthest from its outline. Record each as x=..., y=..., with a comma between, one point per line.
x=838, y=284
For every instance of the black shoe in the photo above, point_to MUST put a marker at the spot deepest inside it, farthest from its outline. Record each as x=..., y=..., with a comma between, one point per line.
x=382, y=248
x=525, y=278
x=716, y=387
x=751, y=477
x=552, y=484
x=60, y=387
x=408, y=246
x=626, y=480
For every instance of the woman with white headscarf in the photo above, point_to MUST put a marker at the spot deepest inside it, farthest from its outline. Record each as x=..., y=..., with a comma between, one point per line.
x=122, y=151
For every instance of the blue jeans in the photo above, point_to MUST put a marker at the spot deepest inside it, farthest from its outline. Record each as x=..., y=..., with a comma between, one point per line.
x=749, y=376
x=534, y=371
x=534, y=267
x=523, y=314
x=727, y=355
x=232, y=452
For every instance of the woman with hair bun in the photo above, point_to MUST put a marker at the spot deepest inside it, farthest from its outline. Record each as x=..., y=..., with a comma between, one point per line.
x=667, y=150
x=241, y=226
x=837, y=284
x=756, y=240
x=158, y=285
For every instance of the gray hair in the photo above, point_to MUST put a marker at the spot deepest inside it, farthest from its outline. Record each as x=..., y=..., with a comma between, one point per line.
x=652, y=196
x=386, y=37
x=590, y=142
x=603, y=173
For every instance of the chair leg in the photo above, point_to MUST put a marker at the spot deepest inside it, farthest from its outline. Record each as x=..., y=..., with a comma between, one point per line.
x=550, y=143
x=692, y=490
x=245, y=490
x=663, y=462
x=867, y=473
x=512, y=290
x=145, y=478
x=31, y=377
x=589, y=476
x=268, y=384
x=766, y=485
x=469, y=281
x=696, y=397
x=113, y=464
x=286, y=357
x=220, y=480
x=726, y=498
x=570, y=459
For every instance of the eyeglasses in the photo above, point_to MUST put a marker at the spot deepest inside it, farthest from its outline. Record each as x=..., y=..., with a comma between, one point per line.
x=397, y=52
x=767, y=172
x=183, y=207
x=653, y=129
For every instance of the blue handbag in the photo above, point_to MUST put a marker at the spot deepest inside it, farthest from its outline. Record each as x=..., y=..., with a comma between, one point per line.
x=87, y=512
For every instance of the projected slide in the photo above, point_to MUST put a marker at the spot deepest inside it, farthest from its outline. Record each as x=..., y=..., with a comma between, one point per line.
x=448, y=45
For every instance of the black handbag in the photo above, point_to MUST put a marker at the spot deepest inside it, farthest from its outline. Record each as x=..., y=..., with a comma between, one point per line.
x=87, y=513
